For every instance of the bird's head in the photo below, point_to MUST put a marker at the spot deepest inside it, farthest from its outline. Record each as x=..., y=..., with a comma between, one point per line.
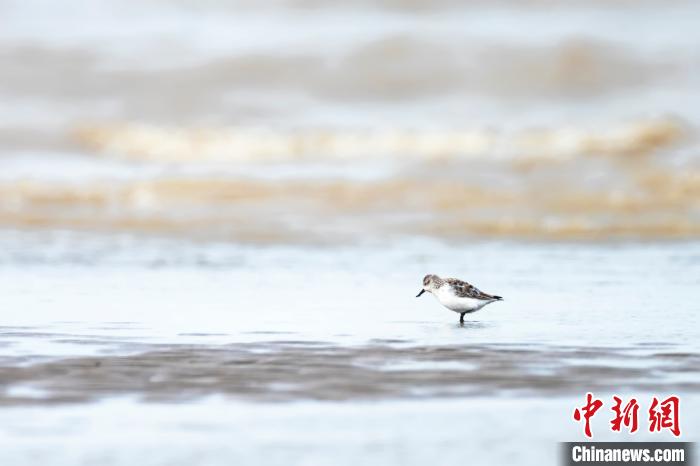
x=430, y=283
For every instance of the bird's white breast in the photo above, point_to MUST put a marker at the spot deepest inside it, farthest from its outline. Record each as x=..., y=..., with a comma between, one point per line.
x=451, y=301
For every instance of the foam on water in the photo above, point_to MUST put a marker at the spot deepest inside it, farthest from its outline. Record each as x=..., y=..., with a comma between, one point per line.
x=142, y=142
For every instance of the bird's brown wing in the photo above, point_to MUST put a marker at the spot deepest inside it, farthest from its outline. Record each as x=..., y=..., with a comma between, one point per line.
x=465, y=290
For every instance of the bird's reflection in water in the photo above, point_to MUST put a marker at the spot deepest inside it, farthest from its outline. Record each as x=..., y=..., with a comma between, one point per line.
x=474, y=324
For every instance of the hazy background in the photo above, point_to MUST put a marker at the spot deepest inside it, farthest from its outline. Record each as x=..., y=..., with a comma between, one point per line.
x=319, y=121
x=214, y=218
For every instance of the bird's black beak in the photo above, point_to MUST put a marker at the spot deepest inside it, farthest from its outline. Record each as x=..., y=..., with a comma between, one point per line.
x=421, y=292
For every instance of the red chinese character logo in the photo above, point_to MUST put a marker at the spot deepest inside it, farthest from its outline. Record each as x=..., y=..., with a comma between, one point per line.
x=626, y=415
x=664, y=415
x=589, y=410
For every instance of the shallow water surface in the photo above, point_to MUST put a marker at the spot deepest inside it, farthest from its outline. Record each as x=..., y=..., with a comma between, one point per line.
x=97, y=306
x=107, y=324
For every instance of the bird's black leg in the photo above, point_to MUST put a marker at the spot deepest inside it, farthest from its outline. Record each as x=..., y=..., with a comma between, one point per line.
x=461, y=317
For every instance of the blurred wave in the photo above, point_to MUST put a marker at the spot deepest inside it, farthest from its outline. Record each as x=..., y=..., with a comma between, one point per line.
x=164, y=144
x=300, y=120
x=641, y=203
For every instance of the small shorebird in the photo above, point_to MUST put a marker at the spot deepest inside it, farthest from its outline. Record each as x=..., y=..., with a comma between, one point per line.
x=456, y=295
